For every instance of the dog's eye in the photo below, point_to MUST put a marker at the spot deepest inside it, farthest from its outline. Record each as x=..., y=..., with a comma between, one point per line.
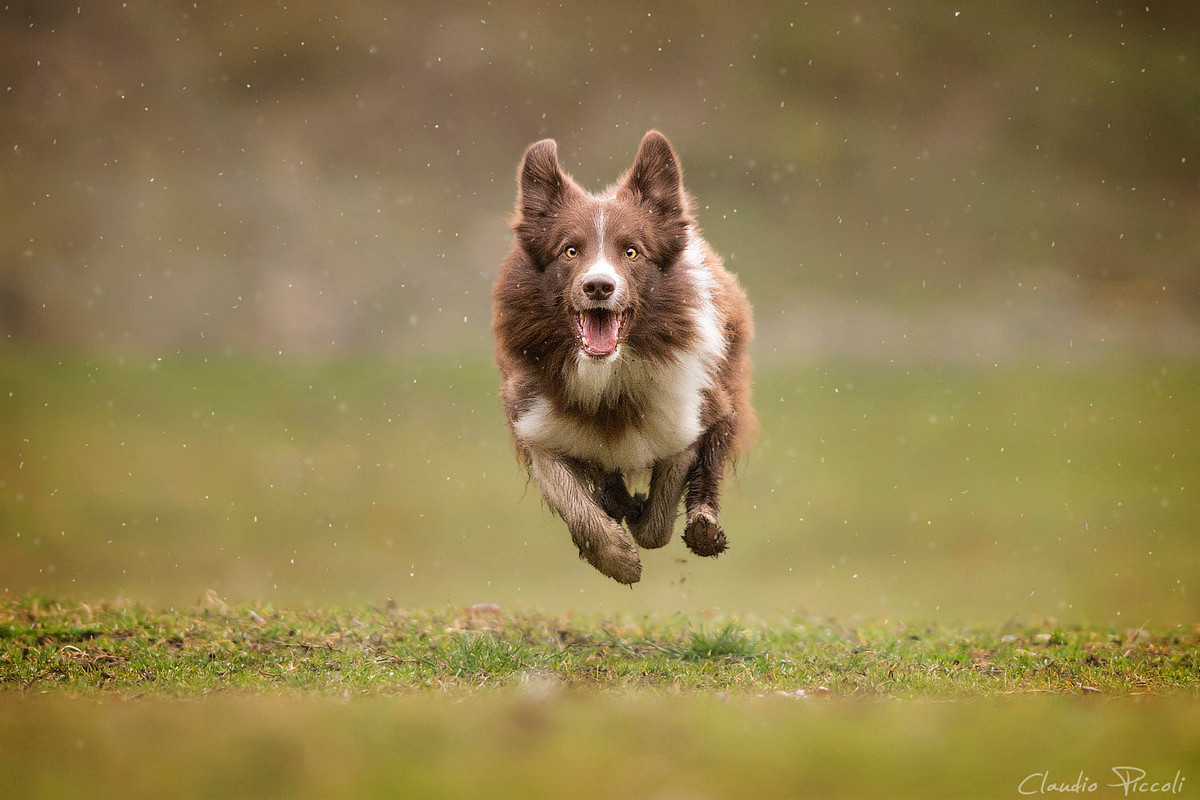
x=631, y=253
x=571, y=251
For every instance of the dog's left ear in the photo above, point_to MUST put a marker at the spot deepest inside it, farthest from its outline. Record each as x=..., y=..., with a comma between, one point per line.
x=655, y=179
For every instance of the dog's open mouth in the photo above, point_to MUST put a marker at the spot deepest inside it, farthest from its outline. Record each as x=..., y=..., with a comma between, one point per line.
x=600, y=330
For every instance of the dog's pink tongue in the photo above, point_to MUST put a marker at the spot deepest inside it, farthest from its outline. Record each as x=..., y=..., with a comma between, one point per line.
x=600, y=330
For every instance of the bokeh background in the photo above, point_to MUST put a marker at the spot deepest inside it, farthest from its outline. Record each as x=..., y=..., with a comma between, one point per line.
x=247, y=250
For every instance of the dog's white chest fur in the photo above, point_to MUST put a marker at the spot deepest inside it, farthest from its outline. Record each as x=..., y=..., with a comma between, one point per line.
x=670, y=394
x=669, y=397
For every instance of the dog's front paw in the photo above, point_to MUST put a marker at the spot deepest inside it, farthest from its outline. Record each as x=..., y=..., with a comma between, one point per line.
x=704, y=535
x=612, y=554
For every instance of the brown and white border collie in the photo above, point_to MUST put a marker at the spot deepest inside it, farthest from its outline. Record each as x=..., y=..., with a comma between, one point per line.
x=622, y=344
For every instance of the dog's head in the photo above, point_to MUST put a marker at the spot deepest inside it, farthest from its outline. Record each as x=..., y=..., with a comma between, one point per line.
x=604, y=260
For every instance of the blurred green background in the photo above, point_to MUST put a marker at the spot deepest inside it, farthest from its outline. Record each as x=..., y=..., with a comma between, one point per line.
x=247, y=251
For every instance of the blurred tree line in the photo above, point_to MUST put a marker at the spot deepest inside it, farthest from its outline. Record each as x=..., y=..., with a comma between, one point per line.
x=335, y=178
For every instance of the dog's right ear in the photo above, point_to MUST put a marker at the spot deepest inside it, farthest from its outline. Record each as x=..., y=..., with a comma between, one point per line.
x=542, y=189
x=540, y=179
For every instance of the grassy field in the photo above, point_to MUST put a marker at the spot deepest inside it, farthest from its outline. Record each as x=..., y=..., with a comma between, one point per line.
x=223, y=577
x=960, y=494
x=128, y=650
x=521, y=745
x=224, y=701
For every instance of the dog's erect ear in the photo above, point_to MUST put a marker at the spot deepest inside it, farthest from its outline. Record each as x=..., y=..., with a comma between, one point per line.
x=541, y=181
x=656, y=179
x=656, y=184
x=542, y=191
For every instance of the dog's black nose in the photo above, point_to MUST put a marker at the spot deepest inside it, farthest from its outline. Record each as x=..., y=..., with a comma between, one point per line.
x=599, y=288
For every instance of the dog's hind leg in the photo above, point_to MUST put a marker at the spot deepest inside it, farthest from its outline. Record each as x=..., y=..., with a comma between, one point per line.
x=654, y=527
x=613, y=496
x=703, y=533
x=598, y=536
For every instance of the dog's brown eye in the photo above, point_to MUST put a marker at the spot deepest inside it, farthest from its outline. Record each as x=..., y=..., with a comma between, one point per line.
x=631, y=253
x=571, y=252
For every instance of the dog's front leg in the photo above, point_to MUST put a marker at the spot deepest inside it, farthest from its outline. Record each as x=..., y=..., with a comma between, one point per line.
x=654, y=526
x=597, y=535
x=703, y=534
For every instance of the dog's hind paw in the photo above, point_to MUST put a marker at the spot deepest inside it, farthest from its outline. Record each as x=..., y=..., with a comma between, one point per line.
x=635, y=511
x=652, y=530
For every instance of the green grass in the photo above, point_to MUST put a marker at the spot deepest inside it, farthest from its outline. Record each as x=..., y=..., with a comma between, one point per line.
x=123, y=701
x=127, y=650
x=222, y=578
